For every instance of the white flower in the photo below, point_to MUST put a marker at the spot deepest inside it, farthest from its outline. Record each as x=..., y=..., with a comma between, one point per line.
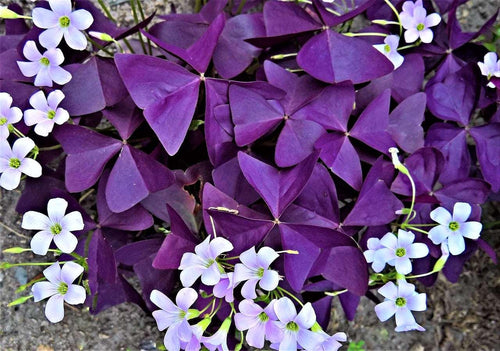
x=390, y=50
x=417, y=24
x=8, y=114
x=45, y=112
x=60, y=289
x=62, y=22
x=490, y=67
x=13, y=162
x=45, y=67
x=56, y=226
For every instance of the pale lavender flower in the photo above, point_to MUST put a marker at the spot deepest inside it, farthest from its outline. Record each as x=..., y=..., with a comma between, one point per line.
x=260, y=323
x=60, y=289
x=390, y=50
x=44, y=66
x=218, y=341
x=57, y=226
x=410, y=6
x=453, y=228
x=8, y=115
x=13, y=162
x=204, y=263
x=295, y=326
x=194, y=343
x=401, y=300
x=255, y=269
x=225, y=287
x=378, y=261
x=417, y=24
x=330, y=343
x=46, y=112
x=175, y=316
x=399, y=249
x=490, y=67
x=62, y=22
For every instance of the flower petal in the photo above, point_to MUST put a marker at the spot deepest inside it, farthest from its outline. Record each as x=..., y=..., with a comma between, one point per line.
x=40, y=242
x=43, y=128
x=471, y=230
x=461, y=212
x=31, y=168
x=270, y=280
x=439, y=234
x=441, y=216
x=60, y=75
x=456, y=243
x=29, y=69
x=61, y=116
x=54, y=99
x=417, y=302
x=22, y=147
x=61, y=7
x=76, y=294
x=255, y=335
x=389, y=290
x=190, y=274
x=403, y=265
x=417, y=250
x=66, y=241
x=389, y=240
x=43, y=78
x=411, y=35
x=405, y=238
x=32, y=117
x=306, y=317
x=33, y=220
x=185, y=298
x=10, y=179
x=75, y=39
x=432, y=20
x=70, y=271
x=385, y=310
x=42, y=290
x=285, y=310
x=266, y=256
x=220, y=245
x=249, y=258
x=50, y=38
x=211, y=275
x=426, y=35
x=404, y=317
x=72, y=221
x=164, y=319
x=81, y=19
x=56, y=208
x=162, y=301
x=248, y=289
x=53, y=273
x=54, y=310
x=244, y=322
x=43, y=18
x=31, y=52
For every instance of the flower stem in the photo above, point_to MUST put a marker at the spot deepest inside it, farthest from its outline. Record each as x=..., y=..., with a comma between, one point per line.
x=335, y=293
x=367, y=34
x=5, y=265
x=50, y=148
x=415, y=229
x=291, y=295
x=389, y=3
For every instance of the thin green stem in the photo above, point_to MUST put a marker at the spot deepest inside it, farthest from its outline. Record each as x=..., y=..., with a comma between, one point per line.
x=241, y=6
x=415, y=229
x=280, y=289
x=106, y=10
x=136, y=21
x=368, y=34
x=421, y=275
x=85, y=195
x=50, y=148
x=413, y=195
x=389, y=3
x=143, y=17
x=335, y=293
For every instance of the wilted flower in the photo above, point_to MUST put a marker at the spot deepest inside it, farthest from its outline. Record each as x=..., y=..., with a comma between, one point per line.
x=61, y=21
x=399, y=249
x=390, y=50
x=378, y=261
x=490, y=67
x=255, y=269
x=417, y=24
x=45, y=112
x=401, y=300
x=8, y=114
x=56, y=226
x=60, y=288
x=454, y=228
x=45, y=67
x=175, y=316
x=204, y=263
x=260, y=323
x=13, y=162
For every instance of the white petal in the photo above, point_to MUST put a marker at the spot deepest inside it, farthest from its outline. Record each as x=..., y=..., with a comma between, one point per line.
x=61, y=7
x=432, y=20
x=32, y=117
x=54, y=99
x=42, y=290
x=38, y=101
x=190, y=274
x=411, y=35
x=389, y=290
x=40, y=242
x=33, y=220
x=426, y=35
x=185, y=298
x=471, y=230
x=220, y=245
x=60, y=75
x=53, y=273
x=441, y=216
x=65, y=241
x=385, y=310
x=22, y=147
x=456, y=244
x=75, y=39
x=417, y=250
x=54, y=310
x=81, y=19
x=29, y=69
x=270, y=280
x=389, y=240
x=76, y=295
x=70, y=271
x=306, y=317
x=14, y=115
x=51, y=37
x=31, y=168
x=285, y=310
x=43, y=128
x=211, y=275
x=162, y=301
x=417, y=302
x=10, y=179
x=72, y=221
x=56, y=209
x=43, y=18
x=439, y=234
x=43, y=78
x=61, y=116
x=461, y=211
x=5, y=101
x=55, y=56
x=31, y=52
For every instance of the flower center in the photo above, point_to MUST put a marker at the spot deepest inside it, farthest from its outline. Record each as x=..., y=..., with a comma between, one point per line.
x=64, y=21
x=14, y=163
x=453, y=226
x=44, y=61
x=182, y=314
x=63, y=288
x=56, y=229
x=51, y=114
x=387, y=48
x=420, y=26
x=3, y=120
x=260, y=272
x=400, y=302
x=263, y=317
x=292, y=326
x=400, y=252
x=209, y=263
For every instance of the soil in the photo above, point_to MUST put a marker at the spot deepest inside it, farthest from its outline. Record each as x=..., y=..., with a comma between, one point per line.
x=460, y=316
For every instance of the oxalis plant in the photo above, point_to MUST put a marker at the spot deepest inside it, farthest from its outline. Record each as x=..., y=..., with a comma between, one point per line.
x=249, y=164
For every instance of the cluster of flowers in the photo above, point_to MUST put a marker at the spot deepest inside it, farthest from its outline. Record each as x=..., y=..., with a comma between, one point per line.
x=263, y=316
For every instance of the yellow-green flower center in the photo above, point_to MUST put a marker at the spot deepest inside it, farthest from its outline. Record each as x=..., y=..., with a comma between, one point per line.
x=64, y=21
x=44, y=61
x=400, y=302
x=263, y=317
x=63, y=288
x=292, y=326
x=387, y=48
x=3, y=120
x=420, y=26
x=14, y=163
x=51, y=114
x=56, y=229
x=454, y=226
x=400, y=252
x=260, y=272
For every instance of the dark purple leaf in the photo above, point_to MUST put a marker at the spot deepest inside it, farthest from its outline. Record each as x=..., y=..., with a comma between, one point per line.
x=487, y=140
x=347, y=267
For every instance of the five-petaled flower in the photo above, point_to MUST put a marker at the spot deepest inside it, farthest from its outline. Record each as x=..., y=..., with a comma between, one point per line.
x=378, y=262
x=204, y=263
x=255, y=269
x=454, y=228
x=8, y=115
x=390, y=49
x=57, y=226
x=44, y=66
x=401, y=300
x=417, y=23
x=13, y=162
x=490, y=67
x=60, y=289
x=45, y=112
x=61, y=21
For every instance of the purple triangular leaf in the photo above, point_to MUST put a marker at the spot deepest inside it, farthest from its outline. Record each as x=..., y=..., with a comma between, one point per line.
x=347, y=267
x=487, y=140
x=124, y=116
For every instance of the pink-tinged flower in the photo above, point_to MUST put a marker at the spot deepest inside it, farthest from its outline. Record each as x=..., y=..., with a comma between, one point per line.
x=174, y=317
x=62, y=22
x=8, y=115
x=204, y=263
x=218, y=341
x=44, y=66
x=225, y=287
x=400, y=300
x=45, y=112
x=398, y=250
x=57, y=226
x=260, y=323
x=378, y=261
x=13, y=162
x=452, y=229
x=390, y=50
x=330, y=343
x=60, y=289
x=490, y=67
x=255, y=269
x=295, y=326
x=417, y=24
